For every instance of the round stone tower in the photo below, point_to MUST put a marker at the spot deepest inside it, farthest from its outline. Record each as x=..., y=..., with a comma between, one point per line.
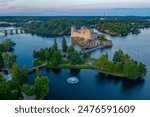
x=73, y=29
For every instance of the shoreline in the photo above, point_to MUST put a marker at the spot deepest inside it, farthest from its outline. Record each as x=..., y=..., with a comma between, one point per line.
x=81, y=67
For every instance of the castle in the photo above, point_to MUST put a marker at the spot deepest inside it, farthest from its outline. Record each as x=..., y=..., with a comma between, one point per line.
x=86, y=33
x=86, y=37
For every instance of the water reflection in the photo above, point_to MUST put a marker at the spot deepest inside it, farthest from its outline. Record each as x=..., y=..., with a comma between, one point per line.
x=75, y=71
x=130, y=85
x=126, y=84
x=56, y=70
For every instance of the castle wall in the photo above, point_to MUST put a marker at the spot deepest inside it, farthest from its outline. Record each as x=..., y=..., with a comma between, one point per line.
x=94, y=36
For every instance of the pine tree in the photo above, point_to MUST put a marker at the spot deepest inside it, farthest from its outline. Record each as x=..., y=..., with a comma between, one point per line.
x=16, y=74
x=64, y=45
x=25, y=74
x=41, y=87
x=55, y=48
x=56, y=58
x=47, y=55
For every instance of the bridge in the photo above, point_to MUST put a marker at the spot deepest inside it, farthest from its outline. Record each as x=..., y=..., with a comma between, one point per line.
x=12, y=31
x=92, y=49
x=33, y=69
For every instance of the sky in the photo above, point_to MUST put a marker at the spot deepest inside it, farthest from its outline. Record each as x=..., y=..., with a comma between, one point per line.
x=74, y=7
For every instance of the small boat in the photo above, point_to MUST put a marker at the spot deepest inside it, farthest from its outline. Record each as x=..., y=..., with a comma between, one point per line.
x=73, y=80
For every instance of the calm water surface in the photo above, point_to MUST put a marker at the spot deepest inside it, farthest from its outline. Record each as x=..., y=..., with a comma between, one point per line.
x=92, y=85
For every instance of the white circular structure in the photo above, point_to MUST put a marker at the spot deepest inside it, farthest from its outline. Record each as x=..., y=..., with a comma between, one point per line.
x=73, y=80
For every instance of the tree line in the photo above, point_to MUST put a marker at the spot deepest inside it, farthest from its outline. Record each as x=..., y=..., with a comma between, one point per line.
x=54, y=56
x=59, y=26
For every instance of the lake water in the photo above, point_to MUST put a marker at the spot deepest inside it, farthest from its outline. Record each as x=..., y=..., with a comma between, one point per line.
x=91, y=85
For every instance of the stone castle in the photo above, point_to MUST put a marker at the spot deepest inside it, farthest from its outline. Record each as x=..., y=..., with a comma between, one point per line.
x=86, y=37
x=86, y=33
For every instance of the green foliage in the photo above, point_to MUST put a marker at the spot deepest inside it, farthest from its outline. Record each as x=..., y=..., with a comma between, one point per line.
x=74, y=56
x=53, y=26
x=43, y=54
x=57, y=26
x=5, y=89
x=40, y=87
x=25, y=74
x=120, y=57
x=55, y=48
x=8, y=91
x=8, y=58
x=122, y=64
x=102, y=38
x=134, y=70
x=7, y=45
x=64, y=45
x=142, y=70
x=71, y=50
x=103, y=62
x=75, y=59
x=1, y=61
x=120, y=29
x=16, y=75
x=35, y=54
x=37, y=72
x=131, y=69
x=85, y=55
x=47, y=55
x=56, y=58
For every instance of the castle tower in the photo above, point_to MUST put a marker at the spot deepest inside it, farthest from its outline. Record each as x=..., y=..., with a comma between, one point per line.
x=86, y=32
x=73, y=29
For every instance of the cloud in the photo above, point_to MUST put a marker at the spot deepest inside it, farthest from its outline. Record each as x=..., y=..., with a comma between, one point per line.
x=18, y=9
x=131, y=9
x=6, y=1
x=58, y=7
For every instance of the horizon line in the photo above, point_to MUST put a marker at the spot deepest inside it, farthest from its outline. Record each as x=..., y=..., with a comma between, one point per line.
x=72, y=16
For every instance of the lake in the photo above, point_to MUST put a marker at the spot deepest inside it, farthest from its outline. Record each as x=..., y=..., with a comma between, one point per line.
x=92, y=84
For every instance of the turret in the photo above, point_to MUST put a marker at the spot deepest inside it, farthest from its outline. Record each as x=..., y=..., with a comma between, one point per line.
x=73, y=29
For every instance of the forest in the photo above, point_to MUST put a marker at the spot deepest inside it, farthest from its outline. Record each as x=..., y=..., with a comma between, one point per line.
x=60, y=26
